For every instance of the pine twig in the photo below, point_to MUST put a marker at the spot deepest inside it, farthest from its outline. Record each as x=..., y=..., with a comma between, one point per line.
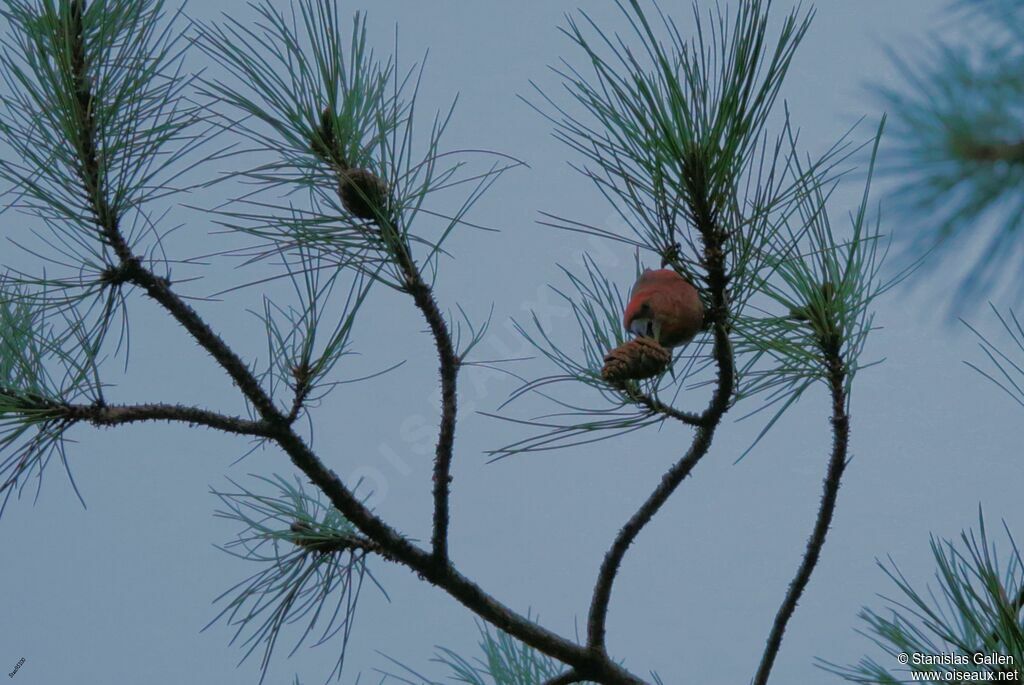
x=117, y=415
x=837, y=464
x=368, y=200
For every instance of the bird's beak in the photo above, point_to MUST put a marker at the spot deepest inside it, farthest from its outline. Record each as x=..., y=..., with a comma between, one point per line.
x=642, y=326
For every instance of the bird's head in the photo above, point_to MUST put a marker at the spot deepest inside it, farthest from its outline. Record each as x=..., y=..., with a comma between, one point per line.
x=639, y=318
x=665, y=307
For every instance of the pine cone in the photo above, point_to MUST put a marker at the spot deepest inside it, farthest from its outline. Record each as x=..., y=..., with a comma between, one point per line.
x=634, y=360
x=324, y=142
x=828, y=294
x=363, y=193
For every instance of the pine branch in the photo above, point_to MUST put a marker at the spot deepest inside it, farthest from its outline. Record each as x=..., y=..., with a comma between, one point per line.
x=957, y=156
x=117, y=415
x=613, y=558
x=1011, y=152
x=713, y=238
x=975, y=608
x=837, y=464
x=385, y=236
x=707, y=162
x=130, y=268
x=436, y=570
x=424, y=298
x=656, y=406
x=436, y=567
x=368, y=200
x=567, y=678
x=433, y=566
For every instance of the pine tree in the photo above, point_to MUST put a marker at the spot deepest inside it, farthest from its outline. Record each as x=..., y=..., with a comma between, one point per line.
x=671, y=126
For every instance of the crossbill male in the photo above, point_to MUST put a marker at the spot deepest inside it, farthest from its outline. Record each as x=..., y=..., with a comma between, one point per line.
x=665, y=307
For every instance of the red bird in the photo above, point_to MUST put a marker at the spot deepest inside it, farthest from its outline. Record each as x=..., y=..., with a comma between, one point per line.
x=665, y=307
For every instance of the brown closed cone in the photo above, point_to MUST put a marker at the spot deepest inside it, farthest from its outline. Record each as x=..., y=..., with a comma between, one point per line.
x=637, y=359
x=363, y=193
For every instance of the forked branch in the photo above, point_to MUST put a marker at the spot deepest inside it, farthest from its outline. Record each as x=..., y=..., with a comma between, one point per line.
x=588, y=662
x=714, y=260
x=434, y=566
x=367, y=199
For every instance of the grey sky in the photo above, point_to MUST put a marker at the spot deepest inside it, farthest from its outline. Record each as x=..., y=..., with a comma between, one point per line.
x=117, y=593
